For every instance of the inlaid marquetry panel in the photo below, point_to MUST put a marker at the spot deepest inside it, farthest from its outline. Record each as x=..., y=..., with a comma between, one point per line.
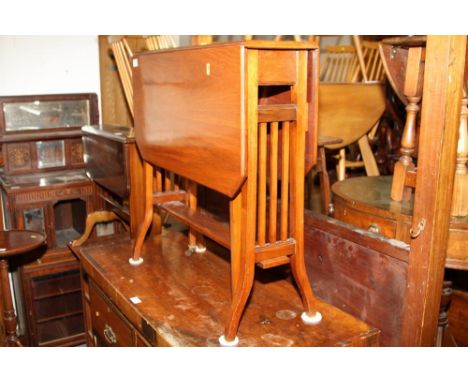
x=19, y=156
x=46, y=195
x=76, y=155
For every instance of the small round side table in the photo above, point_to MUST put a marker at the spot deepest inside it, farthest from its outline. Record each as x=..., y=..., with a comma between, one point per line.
x=13, y=243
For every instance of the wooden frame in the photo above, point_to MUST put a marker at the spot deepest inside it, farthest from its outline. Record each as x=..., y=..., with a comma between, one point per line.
x=442, y=94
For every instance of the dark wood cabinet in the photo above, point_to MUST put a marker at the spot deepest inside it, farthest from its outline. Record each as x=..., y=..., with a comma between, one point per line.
x=109, y=327
x=44, y=188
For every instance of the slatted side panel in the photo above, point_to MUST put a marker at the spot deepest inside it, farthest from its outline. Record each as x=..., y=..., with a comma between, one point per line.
x=273, y=182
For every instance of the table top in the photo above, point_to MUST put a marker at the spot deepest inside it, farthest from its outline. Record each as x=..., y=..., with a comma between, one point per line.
x=16, y=242
x=185, y=300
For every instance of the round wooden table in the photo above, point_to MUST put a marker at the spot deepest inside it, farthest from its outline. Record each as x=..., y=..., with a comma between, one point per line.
x=366, y=203
x=13, y=243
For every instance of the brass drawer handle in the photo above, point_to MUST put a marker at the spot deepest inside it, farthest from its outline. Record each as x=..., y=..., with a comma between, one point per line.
x=374, y=228
x=109, y=335
x=419, y=228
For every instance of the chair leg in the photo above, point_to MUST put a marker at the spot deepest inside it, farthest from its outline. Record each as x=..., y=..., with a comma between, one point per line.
x=368, y=157
x=324, y=182
x=341, y=166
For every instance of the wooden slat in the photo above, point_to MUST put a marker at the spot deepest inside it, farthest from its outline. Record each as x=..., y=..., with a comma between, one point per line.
x=278, y=113
x=167, y=181
x=201, y=221
x=368, y=157
x=280, y=248
x=169, y=196
x=360, y=56
x=271, y=263
x=235, y=227
x=124, y=69
x=284, y=182
x=192, y=205
x=262, y=162
x=273, y=181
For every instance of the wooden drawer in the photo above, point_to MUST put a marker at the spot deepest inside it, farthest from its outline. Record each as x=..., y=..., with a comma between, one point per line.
x=365, y=220
x=109, y=327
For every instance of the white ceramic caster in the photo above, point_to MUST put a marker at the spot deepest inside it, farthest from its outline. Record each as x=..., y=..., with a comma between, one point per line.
x=200, y=249
x=223, y=342
x=135, y=262
x=311, y=320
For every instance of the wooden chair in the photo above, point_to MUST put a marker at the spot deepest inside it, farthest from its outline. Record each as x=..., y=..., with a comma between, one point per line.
x=195, y=130
x=351, y=64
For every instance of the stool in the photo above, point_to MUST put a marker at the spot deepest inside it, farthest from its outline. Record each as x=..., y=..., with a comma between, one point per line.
x=12, y=243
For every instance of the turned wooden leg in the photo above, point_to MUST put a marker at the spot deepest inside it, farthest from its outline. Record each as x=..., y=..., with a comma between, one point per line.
x=444, y=335
x=368, y=158
x=341, y=166
x=9, y=317
x=412, y=90
x=147, y=217
x=460, y=186
x=327, y=207
x=400, y=191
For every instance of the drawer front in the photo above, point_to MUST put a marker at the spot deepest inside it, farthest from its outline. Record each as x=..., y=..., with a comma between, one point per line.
x=109, y=327
x=361, y=219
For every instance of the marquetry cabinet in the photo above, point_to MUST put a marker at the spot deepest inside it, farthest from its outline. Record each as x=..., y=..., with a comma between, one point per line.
x=44, y=188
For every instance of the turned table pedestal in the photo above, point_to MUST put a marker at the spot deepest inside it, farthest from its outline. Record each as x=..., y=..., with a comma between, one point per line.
x=13, y=243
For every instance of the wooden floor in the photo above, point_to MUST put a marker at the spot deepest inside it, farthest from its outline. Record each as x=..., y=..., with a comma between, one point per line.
x=186, y=299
